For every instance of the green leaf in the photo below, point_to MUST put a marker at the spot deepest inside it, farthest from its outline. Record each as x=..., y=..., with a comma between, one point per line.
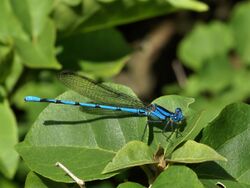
x=102, y=14
x=40, y=52
x=228, y=134
x=202, y=44
x=86, y=163
x=12, y=27
x=178, y=177
x=210, y=174
x=189, y=4
x=6, y=62
x=130, y=185
x=189, y=129
x=34, y=35
x=14, y=75
x=33, y=180
x=100, y=53
x=240, y=27
x=66, y=134
x=206, y=80
x=33, y=15
x=8, y=138
x=134, y=153
x=193, y=152
x=4, y=183
x=47, y=87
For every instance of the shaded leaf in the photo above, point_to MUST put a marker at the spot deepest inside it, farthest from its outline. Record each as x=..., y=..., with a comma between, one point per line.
x=100, y=53
x=7, y=184
x=130, y=185
x=33, y=180
x=228, y=134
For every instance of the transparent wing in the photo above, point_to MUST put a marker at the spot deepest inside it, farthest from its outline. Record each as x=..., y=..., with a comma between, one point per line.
x=98, y=92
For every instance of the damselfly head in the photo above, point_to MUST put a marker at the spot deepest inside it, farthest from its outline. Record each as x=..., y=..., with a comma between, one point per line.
x=178, y=116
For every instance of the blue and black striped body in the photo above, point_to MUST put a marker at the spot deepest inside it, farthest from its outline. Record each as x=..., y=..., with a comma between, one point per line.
x=109, y=99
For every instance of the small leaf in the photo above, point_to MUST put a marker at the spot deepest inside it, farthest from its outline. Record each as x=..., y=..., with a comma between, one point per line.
x=35, y=43
x=228, y=134
x=202, y=44
x=177, y=177
x=130, y=185
x=39, y=53
x=240, y=27
x=189, y=4
x=134, y=153
x=193, y=152
x=8, y=138
x=34, y=180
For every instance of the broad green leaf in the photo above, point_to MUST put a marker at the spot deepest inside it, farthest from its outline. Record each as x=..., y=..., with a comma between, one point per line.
x=130, y=185
x=8, y=138
x=202, y=44
x=84, y=162
x=134, y=153
x=77, y=139
x=193, y=152
x=241, y=30
x=102, y=14
x=173, y=136
x=100, y=53
x=228, y=134
x=33, y=180
x=178, y=177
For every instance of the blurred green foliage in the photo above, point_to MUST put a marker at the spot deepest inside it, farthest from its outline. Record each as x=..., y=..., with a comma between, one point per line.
x=39, y=38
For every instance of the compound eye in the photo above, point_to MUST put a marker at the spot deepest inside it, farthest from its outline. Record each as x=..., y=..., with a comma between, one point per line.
x=177, y=110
